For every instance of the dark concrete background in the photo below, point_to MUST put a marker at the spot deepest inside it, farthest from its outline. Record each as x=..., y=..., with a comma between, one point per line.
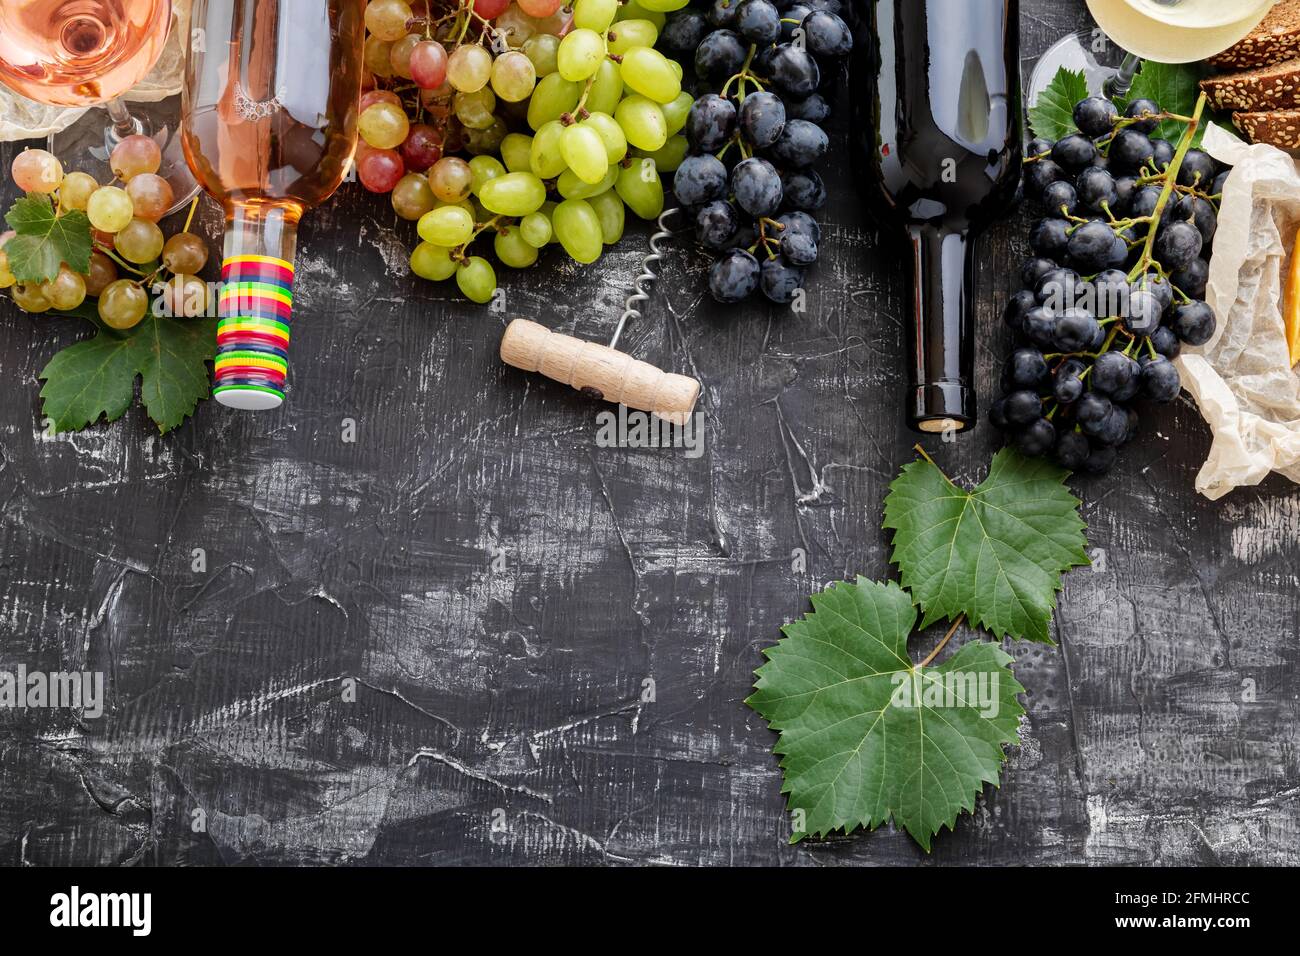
x=500, y=589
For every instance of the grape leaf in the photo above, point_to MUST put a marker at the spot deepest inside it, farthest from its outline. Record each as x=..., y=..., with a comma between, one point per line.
x=1052, y=115
x=44, y=239
x=1176, y=88
x=864, y=734
x=994, y=554
x=97, y=376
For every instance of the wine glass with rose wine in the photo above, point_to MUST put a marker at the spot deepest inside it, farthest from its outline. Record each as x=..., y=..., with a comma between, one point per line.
x=1128, y=31
x=80, y=53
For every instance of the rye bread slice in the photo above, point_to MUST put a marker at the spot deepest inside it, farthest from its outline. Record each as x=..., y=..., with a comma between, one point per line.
x=1264, y=88
x=1280, y=128
x=1277, y=38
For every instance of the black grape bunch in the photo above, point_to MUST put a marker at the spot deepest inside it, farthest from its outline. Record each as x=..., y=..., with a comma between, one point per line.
x=748, y=182
x=1116, y=283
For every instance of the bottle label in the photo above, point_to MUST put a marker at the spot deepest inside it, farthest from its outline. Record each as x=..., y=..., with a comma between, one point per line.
x=253, y=331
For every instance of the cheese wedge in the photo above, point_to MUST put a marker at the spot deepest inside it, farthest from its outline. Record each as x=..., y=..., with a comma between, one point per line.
x=1292, y=316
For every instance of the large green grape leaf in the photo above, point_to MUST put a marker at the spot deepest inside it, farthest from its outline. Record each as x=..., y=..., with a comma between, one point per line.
x=97, y=376
x=864, y=734
x=994, y=554
x=1052, y=115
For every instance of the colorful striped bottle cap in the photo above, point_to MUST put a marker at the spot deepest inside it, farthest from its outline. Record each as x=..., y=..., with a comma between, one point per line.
x=253, y=332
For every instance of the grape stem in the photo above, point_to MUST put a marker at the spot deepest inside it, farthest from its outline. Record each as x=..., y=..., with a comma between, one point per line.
x=1105, y=347
x=1171, y=177
x=764, y=239
x=487, y=24
x=922, y=452
x=1178, y=187
x=737, y=141
x=464, y=26
x=1126, y=121
x=744, y=75
x=119, y=260
x=946, y=638
x=1069, y=355
x=580, y=110
x=458, y=254
x=194, y=205
x=148, y=281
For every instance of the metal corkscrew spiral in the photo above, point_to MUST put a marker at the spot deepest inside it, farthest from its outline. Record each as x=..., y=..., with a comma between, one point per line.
x=602, y=371
x=648, y=276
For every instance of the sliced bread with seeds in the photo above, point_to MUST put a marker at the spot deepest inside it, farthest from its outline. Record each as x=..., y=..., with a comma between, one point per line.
x=1277, y=38
x=1280, y=128
x=1263, y=88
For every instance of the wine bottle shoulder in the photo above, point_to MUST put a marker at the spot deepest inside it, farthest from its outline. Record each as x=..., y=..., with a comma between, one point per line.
x=937, y=128
x=273, y=122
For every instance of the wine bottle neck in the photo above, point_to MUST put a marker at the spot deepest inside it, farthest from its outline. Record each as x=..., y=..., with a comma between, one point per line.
x=263, y=230
x=942, y=375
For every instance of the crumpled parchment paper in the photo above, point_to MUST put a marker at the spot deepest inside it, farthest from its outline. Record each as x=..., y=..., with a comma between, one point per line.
x=21, y=118
x=1242, y=379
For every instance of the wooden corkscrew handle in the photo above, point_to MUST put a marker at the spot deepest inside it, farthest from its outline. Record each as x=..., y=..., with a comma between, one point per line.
x=599, y=371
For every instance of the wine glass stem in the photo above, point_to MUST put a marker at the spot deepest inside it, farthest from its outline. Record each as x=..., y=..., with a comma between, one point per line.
x=123, y=124
x=1122, y=82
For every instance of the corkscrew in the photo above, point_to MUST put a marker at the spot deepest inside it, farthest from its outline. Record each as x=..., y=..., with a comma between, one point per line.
x=648, y=275
x=602, y=371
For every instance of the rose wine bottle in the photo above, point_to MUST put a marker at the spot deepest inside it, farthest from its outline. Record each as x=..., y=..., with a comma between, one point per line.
x=937, y=128
x=270, y=119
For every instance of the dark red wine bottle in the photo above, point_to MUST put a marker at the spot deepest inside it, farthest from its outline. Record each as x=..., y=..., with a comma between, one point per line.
x=936, y=88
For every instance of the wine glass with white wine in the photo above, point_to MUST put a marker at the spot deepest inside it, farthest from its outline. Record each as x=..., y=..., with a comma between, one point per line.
x=80, y=53
x=1129, y=31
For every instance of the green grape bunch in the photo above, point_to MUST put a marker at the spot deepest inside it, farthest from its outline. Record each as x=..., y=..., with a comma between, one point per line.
x=519, y=124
